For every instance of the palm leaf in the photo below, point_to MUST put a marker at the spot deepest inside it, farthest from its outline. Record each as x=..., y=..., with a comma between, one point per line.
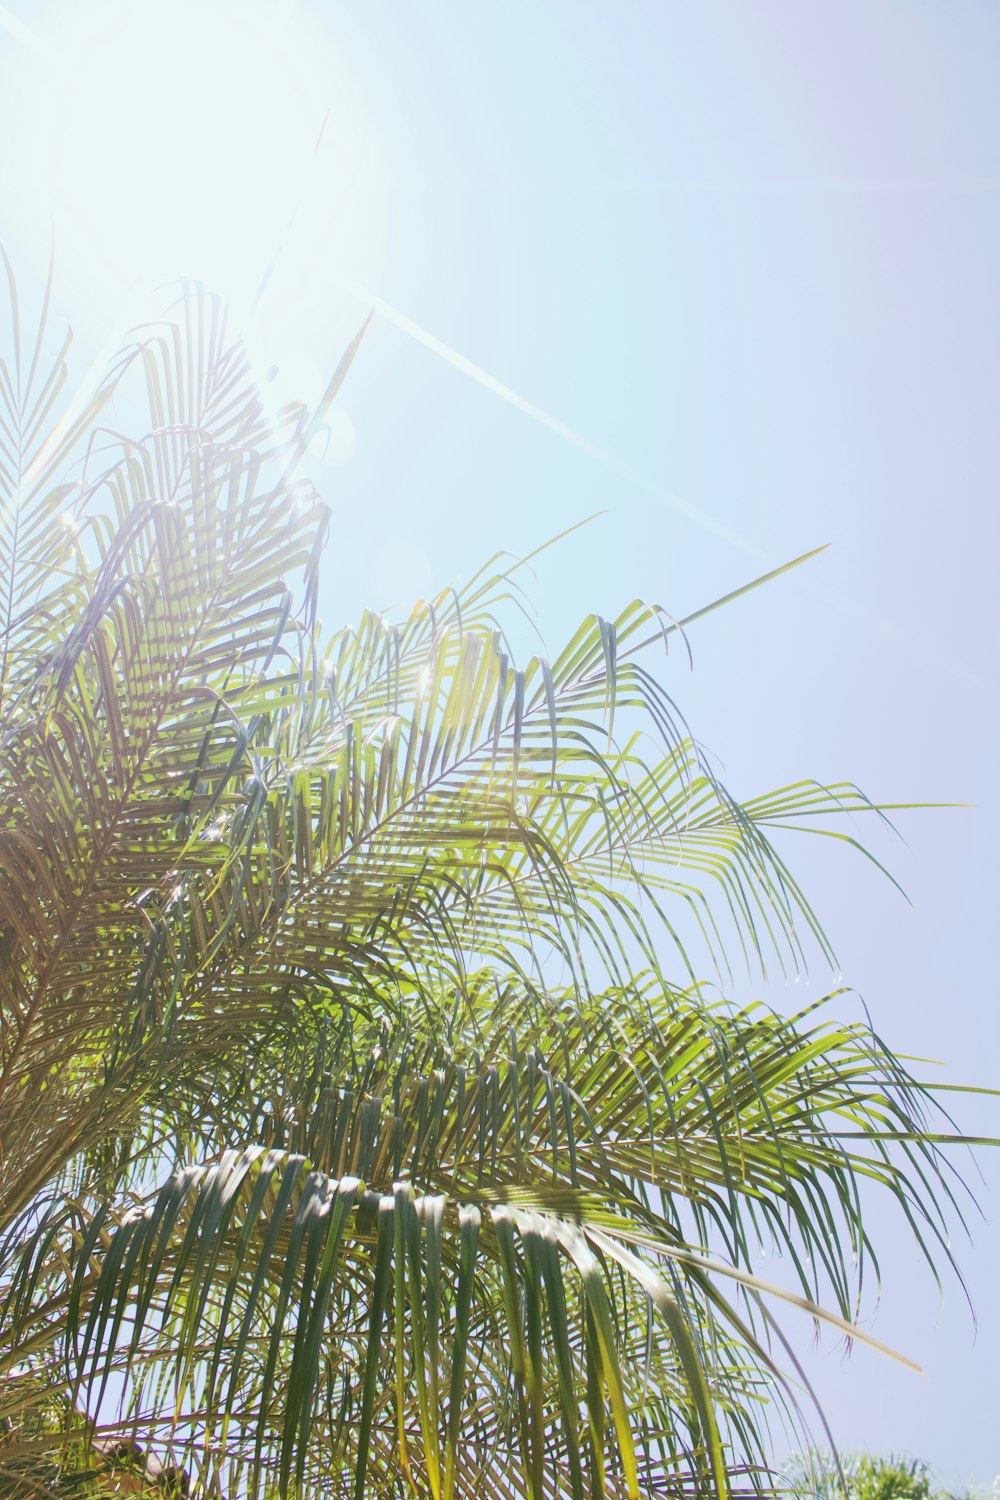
x=366, y=1128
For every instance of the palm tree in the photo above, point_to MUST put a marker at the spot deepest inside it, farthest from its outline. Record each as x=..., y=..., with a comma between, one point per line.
x=365, y=1127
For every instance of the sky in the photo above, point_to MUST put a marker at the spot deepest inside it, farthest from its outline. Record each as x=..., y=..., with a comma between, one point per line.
x=726, y=273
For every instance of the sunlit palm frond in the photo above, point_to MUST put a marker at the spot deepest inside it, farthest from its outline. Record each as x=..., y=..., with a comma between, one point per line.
x=136, y=710
x=534, y=1187
x=365, y=1126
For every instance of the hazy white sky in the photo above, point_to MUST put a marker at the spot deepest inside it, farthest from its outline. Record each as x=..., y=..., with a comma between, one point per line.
x=747, y=252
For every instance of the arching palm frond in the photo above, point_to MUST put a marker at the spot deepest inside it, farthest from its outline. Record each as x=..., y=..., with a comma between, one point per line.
x=365, y=1126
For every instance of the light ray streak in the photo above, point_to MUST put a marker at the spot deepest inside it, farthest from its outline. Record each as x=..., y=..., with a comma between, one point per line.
x=23, y=33
x=835, y=598
x=618, y=466
x=611, y=461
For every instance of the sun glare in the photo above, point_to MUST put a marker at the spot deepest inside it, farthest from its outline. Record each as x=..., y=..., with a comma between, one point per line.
x=178, y=138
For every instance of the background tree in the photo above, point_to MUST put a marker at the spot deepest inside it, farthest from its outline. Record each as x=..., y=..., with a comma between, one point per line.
x=823, y=1475
x=365, y=1126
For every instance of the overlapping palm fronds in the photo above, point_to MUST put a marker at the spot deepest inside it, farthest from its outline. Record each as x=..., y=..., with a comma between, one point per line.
x=365, y=1127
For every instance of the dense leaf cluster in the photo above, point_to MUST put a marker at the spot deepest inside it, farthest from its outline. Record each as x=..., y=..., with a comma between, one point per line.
x=365, y=1129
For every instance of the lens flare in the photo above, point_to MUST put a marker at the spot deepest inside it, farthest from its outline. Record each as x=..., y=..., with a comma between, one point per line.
x=178, y=138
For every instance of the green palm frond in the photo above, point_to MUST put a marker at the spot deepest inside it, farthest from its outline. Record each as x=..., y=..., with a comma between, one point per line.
x=366, y=1128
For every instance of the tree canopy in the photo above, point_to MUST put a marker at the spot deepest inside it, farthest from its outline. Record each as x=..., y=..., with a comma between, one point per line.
x=373, y=1117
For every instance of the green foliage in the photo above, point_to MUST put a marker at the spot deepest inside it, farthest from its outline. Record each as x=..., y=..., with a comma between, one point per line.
x=366, y=1129
x=861, y=1476
x=891, y=1479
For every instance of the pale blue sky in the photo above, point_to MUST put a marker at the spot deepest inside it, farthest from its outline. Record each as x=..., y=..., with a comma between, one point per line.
x=749, y=250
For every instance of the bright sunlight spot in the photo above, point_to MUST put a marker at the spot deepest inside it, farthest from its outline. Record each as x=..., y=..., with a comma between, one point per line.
x=181, y=138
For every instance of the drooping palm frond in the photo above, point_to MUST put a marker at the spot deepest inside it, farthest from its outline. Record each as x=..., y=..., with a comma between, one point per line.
x=581, y=1152
x=380, y=955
